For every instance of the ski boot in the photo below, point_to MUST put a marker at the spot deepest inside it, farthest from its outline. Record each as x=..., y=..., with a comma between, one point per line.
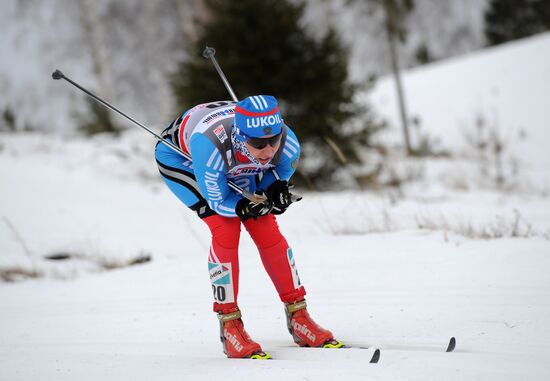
x=235, y=340
x=304, y=331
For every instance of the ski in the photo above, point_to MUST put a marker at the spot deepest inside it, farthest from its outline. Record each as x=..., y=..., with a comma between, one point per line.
x=374, y=352
x=449, y=347
x=371, y=353
x=337, y=344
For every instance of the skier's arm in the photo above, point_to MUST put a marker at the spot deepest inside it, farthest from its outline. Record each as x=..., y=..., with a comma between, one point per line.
x=209, y=168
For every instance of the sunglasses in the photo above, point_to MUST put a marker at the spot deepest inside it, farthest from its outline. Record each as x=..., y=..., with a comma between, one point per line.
x=261, y=143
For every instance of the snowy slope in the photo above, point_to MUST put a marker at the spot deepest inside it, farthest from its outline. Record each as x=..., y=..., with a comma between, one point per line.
x=372, y=275
x=507, y=86
x=402, y=269
x=401, y=289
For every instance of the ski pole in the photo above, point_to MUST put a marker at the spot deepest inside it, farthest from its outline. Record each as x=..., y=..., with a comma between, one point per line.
x=59, y=75
x=209, y=53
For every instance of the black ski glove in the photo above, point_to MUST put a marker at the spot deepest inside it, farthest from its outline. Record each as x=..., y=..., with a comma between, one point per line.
x=246, y=209
x=279, y=193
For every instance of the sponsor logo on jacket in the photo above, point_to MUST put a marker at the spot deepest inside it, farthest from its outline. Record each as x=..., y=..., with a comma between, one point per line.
x=218, y=114
x=220, y=133
x=212, y=186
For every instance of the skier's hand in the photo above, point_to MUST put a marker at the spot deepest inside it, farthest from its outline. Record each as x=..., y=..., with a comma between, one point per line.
x=279, y=194
x=246, y=209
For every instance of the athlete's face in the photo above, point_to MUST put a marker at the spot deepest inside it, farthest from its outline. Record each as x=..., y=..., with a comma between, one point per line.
x=264, y=155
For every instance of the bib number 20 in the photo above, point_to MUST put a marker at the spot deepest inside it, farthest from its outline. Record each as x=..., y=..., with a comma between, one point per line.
x=219, y=293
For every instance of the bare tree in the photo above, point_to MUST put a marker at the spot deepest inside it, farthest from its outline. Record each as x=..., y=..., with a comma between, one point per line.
x=94, y=35
x=396, y=11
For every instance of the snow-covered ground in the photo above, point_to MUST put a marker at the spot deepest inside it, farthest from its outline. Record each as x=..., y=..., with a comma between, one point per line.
x=448, y=254
x=506, y=87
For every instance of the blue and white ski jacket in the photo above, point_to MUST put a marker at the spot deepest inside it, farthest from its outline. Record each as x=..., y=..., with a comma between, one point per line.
x=204, y=132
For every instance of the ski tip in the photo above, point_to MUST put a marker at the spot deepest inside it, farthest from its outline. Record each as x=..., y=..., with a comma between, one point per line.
x=452, y=345
x=375, y=356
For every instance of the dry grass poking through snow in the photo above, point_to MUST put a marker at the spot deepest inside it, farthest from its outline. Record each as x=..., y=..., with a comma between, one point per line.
x=363, y=221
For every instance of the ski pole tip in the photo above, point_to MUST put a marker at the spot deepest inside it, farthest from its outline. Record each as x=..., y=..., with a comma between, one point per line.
x=57, y=74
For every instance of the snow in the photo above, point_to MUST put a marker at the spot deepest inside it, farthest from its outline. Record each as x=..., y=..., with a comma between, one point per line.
x=507, y=86
x=447, y=254
x=403, y=287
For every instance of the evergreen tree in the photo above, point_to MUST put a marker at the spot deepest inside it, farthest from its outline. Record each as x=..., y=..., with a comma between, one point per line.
x=263, y=50
x=507, y=20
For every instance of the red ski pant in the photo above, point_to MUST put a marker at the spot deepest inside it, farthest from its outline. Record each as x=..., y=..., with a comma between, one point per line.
x=223, y=261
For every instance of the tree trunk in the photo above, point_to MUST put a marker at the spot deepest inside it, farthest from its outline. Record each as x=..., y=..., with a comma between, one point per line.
x=391, y=23
x=94, y=36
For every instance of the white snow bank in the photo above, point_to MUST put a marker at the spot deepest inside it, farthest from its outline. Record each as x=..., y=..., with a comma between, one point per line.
x=508, y=86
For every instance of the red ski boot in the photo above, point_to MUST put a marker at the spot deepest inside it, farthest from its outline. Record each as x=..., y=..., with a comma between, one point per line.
x=235, y=340
x=304, y=331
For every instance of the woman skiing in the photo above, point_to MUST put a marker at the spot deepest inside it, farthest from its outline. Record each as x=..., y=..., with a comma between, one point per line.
x=248, y=144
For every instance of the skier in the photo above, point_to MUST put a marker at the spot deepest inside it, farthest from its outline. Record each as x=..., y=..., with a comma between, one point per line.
x=243, y=142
